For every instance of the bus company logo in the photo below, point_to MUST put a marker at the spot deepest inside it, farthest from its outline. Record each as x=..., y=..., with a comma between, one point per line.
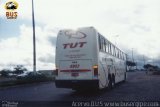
x=11, y=7
x=74, y=45
x=75, y=34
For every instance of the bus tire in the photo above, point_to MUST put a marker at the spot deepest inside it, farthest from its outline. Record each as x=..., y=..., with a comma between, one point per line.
x=113, y=81
x=110, y=82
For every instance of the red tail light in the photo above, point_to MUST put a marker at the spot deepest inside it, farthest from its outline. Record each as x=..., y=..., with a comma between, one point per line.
x=95, y=68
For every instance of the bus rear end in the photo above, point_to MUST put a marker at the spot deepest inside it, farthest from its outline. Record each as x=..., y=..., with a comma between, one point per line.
x=76, y=59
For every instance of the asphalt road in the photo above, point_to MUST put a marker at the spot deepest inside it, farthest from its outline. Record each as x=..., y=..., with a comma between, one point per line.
x=138, y=87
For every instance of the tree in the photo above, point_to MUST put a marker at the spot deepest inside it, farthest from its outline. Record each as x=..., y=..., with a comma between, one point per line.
x=148, y=66
x=19, y=69
x=5, y=72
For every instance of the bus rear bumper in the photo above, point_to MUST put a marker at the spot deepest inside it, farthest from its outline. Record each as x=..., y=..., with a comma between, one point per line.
x=74, y=84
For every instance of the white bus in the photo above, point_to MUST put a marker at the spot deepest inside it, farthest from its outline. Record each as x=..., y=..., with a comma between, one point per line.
x=85, y=59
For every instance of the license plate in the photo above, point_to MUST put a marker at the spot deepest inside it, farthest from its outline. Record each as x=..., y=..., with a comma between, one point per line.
x=75, y=74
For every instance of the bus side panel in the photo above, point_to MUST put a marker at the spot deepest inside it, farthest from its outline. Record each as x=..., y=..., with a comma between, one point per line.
x=103, y=71
x=120, y=70
x=108, y=64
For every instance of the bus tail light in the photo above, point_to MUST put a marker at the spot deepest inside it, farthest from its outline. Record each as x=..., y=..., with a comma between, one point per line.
x=95, y=68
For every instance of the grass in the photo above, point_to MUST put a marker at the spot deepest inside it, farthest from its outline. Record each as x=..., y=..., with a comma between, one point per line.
x=25, y=81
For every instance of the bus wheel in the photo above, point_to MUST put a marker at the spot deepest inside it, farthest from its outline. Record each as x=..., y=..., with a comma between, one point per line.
x=113, y=81
x=110, y=83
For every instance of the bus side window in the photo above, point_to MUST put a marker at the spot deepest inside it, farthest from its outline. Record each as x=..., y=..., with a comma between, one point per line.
x=106, y=46
x=120, y=54
x=101, y=43
x=99, y=39
x=116, y=52
x=112, y=50
x=109, y=48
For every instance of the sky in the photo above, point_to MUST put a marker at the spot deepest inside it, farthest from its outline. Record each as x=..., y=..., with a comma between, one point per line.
x=130, y=24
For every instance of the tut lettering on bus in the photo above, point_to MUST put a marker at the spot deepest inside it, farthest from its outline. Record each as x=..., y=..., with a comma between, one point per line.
x=74, y=45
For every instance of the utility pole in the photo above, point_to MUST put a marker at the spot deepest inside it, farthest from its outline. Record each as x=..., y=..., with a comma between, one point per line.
x=34, y=39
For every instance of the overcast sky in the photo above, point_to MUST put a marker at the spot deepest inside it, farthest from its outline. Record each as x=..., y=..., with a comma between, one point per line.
x=130, y=24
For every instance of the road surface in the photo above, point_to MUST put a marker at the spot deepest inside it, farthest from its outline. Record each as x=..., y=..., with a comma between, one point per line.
x=138, y=87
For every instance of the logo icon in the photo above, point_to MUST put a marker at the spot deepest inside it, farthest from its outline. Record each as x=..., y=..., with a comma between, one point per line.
x=75, y=34
x=11, y=7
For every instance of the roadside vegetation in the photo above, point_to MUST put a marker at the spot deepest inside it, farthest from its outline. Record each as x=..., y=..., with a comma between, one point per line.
x=152, y=69
x=148, y=68
x=20, y=75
